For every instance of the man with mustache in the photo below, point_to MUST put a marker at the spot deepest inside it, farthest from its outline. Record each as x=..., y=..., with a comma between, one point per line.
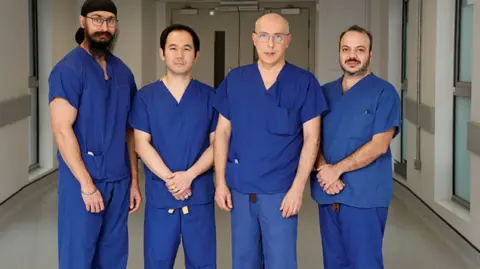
x=353, y=179
x=174, y=123
x=90, y=95
x=266, y=144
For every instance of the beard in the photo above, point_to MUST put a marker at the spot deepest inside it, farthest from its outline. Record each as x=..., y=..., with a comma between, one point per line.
x=361, y=71
x=100, y=47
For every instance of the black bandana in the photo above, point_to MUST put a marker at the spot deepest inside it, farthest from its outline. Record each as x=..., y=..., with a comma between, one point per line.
x=92, y=6
x=98, y=5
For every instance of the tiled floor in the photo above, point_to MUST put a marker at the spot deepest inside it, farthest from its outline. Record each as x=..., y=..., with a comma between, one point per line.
x=28, y=237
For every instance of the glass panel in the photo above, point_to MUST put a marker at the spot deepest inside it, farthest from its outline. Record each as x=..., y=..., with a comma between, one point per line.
x=465, y=42
x=462, y=156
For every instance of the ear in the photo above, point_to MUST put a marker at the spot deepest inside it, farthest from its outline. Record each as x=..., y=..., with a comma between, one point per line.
x=82, y=21
x=196, y=57
x=254, y=39
x=162, y=56
x=289, y=39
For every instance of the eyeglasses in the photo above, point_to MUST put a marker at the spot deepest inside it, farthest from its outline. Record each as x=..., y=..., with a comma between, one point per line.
x=277, y=38
x=98, y=22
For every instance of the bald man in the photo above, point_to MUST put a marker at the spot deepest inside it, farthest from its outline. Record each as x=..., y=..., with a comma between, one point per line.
x=267, y=139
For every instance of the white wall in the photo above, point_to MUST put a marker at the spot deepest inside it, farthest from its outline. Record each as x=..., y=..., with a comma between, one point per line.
x=14, y=72
x=475, y=159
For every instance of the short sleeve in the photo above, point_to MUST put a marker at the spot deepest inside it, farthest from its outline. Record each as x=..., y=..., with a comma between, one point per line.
x=220, y=99
x=138, y=116
x=388, y=112
x=214, y=120
x=315, y=103
x=64, y=83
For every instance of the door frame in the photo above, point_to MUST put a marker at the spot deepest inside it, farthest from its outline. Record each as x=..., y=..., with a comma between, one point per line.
x=311, y=5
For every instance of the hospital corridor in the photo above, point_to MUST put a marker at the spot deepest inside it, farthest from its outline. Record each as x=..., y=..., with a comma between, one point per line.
x=61, y=80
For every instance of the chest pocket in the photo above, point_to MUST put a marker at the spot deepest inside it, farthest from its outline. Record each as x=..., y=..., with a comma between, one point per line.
x=360, y=125
x=284, y=117
x=283, y=121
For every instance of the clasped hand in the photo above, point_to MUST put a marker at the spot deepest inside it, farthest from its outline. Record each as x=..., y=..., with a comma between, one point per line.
x=179, y=183
x=329, y=178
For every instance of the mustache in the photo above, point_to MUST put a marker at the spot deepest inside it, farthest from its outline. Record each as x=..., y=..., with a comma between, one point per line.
x=108, y=34
x=352, y=60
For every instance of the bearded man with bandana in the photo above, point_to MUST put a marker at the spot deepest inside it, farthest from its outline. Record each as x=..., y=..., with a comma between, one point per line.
x=90, y=94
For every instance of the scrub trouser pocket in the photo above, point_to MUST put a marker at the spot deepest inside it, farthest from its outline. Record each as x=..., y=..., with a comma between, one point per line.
x=194, y=225
x=261, y=237
x=92, y=240
x=352, y=237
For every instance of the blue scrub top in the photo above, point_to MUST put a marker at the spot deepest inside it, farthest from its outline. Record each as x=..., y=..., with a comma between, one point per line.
x=370, y=107
x=267, y=134
x=102, y=111
x=180, y=134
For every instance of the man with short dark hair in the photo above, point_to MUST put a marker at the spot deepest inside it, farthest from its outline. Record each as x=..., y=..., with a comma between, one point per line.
x=90, y=95
x=353, y=179
x=174, y=123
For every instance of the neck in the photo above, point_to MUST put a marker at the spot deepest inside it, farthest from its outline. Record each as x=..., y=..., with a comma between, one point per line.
x=271, y=67
x=350, y=80
x=177, y=81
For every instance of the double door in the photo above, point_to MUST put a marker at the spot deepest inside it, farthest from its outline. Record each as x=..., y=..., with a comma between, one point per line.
x=226, y=37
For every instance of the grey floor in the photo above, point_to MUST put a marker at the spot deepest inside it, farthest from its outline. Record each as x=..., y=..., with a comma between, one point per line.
x=28, y=236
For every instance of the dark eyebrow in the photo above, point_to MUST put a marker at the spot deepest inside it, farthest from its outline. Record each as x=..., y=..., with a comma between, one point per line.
x=101, y=17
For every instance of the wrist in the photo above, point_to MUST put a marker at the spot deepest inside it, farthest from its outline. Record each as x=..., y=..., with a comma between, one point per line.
x=193, y=174
x=298, y=184
x=339, y=169
x=220, y=182
x=88, y=187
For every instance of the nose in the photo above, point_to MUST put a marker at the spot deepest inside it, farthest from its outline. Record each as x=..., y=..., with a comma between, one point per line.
x=179, y=54
x=270, y=42
x=104, y=26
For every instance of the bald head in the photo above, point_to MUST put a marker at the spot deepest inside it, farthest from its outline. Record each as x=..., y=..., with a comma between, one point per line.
x=272, y=22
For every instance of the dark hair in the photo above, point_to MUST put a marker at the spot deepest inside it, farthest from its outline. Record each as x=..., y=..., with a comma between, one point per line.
x=356, y=28
x=180, y=27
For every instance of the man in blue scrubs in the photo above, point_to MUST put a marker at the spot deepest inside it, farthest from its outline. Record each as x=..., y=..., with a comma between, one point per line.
x=174, y=123
x=353, y=181
x=265, y=147
x=90, y=95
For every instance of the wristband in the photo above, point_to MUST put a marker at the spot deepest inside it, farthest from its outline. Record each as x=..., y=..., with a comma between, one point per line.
x=89, y=193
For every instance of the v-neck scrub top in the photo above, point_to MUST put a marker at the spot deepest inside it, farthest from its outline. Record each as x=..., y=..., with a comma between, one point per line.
x=370, y=107
x=267, y=135
x=179, y=133
x=102, y=111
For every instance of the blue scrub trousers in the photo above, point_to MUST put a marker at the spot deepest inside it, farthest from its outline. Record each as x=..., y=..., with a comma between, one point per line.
x=352, y=237
x=92, y=240
x=196, y=229
x=261, y=237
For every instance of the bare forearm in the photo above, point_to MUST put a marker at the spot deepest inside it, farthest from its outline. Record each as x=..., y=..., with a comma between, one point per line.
x=320, y=159
x=362, y=157
x=68, y=146
x=308, y=157
x=204, y=163
x=152, y=159
x=220, y=156
x=132, y=155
